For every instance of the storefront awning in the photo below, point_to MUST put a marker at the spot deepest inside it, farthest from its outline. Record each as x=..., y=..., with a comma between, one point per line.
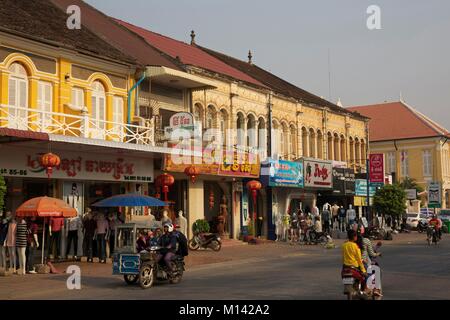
x=178, y=79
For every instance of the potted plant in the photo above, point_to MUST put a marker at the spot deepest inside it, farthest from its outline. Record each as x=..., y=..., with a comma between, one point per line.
x=249, y=236
x=200, y=226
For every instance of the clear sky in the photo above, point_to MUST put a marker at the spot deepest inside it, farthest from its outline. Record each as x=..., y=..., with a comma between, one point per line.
x=292, y=38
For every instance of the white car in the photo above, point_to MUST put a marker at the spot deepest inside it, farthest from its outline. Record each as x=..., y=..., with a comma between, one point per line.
x=412, y=219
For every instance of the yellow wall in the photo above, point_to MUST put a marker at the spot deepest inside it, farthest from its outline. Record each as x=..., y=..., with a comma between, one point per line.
x=62, y=87
x=415, y=148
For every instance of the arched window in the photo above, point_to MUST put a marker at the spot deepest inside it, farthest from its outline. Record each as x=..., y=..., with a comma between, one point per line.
x=293, y=142
x=336, y=142
x=343, y=149
x=352, y=150
x=284, y=141
x=330, y=146
x=312, y=143
x=305, y=148
x=240, y=126
x=363, y=152
x=18, y=97
x=198, y=114
x=223, y=125
x=262, y=138
x=98, y=104
x=276, y=137
x=251, y=131
x=210, y=117
x=357, y=151
x=319, y=144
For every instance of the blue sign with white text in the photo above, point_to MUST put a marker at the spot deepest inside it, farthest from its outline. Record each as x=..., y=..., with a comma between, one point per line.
x=282, y=173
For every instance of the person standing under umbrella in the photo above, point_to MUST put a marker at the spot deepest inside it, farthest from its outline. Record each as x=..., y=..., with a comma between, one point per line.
x=21, y=244
x=32, y=243
x=56, y=224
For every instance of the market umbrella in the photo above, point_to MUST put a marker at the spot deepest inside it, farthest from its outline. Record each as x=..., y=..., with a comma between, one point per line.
x=45, y=207
x=130, y=200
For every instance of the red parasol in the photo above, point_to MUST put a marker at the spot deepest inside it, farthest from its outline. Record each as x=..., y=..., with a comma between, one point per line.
x=45, y=207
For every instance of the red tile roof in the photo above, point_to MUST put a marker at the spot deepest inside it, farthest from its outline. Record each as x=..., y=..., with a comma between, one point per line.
x=189, y=54
x=42, y=21
x=397, y=120
x=118, y=36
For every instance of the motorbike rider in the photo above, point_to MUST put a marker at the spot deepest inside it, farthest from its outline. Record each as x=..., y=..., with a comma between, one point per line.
x=168, y=242
x=141, y=243
x=351, y=256
x=366, y=246
x=437, y=224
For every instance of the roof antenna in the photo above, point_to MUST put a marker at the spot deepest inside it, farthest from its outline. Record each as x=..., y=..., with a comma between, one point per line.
x=401, y=97
x=250, y=57
x=192, y=38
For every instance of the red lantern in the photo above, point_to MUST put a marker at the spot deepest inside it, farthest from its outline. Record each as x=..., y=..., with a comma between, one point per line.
x=48, y=161
x=165, y=180
x=192, y=172
x=211, y=199
x=254, y=186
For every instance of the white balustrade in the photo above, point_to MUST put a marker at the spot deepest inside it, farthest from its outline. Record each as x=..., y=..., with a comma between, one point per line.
x=75, y=125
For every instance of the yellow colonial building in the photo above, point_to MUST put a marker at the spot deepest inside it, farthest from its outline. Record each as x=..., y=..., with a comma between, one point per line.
x=413, y=145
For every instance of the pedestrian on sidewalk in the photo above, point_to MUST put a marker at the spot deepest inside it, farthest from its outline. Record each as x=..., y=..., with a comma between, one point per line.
x=32, y=244
x=342, y=218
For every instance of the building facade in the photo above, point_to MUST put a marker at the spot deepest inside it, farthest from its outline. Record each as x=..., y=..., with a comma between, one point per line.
x=415, y=147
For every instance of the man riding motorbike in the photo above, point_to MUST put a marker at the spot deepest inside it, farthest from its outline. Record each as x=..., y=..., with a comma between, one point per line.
x=169, y=242
x=437, y=224
x=352, y=258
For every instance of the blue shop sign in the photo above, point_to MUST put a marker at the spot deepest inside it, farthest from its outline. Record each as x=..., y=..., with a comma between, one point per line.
x=282, y=173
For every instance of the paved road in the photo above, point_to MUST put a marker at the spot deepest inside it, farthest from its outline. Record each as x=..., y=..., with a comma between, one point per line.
x=411, y=270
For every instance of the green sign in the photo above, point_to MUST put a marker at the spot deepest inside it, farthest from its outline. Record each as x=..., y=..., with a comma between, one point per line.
x=361, y=187
x=434, y=195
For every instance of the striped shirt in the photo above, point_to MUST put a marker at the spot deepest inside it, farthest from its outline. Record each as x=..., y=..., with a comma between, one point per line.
x=21, y=234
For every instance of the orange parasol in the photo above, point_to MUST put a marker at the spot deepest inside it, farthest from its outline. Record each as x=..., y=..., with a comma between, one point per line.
x=45, y=207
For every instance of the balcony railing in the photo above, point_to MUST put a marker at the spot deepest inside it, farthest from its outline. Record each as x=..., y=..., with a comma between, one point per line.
x=73, y=125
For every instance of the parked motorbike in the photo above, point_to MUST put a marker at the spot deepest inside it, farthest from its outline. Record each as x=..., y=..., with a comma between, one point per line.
x=432, y=236
x=376, y=233
x=422, y=226
x=205, y=240
x=317, y=237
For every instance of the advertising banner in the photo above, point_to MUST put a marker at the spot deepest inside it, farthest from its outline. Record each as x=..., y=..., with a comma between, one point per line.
x=376, y=167
x=434, y=195
x=343, y=181
x=25, y=162
x=361, y=187
x=281, y=173
x=318, y=174
x=237, y=164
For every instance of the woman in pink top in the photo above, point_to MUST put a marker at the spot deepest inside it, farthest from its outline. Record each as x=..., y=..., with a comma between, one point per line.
x=11, y=243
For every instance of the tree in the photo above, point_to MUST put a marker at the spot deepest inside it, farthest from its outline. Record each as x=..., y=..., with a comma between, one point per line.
x=390, y=200
x=410, y=183
x=2, y=192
